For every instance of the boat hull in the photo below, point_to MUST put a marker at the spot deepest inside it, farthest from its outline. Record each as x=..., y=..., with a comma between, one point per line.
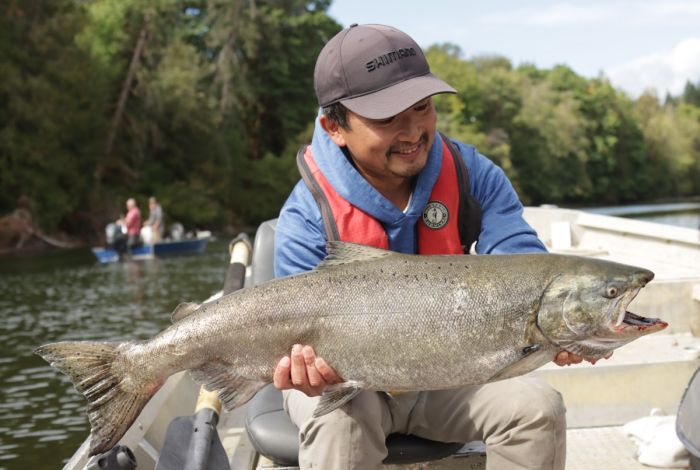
x=149, y=251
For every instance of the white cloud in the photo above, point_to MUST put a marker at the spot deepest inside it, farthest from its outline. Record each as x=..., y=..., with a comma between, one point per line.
x=671, y=8
x=663, y=71
x=623, y=13
x=554, y=15
x=562, y=14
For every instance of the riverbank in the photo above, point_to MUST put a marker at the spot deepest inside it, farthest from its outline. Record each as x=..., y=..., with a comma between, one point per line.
x=19, y=233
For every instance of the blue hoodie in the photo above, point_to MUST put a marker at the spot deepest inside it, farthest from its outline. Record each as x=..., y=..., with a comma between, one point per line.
x=300, y=240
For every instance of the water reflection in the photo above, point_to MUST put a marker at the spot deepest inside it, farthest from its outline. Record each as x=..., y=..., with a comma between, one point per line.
x=677, y=214
x=683, y=219
x=67, y=296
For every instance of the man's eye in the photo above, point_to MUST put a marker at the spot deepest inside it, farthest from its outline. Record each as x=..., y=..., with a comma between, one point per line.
x=420, y=107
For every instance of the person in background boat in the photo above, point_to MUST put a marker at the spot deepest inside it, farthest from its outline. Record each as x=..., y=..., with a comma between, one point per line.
x=132, y=220
x=155, y=220
x=377, y=162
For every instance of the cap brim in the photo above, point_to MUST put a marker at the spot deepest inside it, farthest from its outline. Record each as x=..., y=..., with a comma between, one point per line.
x=392, y=100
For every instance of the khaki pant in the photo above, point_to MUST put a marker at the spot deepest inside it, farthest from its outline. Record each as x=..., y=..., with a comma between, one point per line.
x=521, y=420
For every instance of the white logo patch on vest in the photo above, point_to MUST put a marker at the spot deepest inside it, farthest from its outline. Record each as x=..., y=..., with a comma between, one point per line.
x=435, y=215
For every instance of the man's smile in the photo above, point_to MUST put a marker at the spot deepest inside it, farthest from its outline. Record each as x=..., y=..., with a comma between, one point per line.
x=407, y=150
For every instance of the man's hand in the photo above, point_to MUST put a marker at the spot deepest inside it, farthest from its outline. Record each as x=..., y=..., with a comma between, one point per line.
x=565, y=358
x=304, y=372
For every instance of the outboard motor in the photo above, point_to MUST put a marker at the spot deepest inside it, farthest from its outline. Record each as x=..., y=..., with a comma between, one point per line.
x=177, y=231
x=118, y=458
x=112, y=231
x=115, y=235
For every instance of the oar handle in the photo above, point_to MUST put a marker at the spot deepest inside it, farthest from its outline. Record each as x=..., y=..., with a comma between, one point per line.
x=205, y=423
x=207, y=399
x=240, y=250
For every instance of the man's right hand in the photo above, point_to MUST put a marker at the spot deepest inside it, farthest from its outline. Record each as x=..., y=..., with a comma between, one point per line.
x=304, y=371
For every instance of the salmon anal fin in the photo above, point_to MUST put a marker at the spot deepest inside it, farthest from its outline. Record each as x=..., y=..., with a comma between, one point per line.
x=336, y=396
x=233, y=389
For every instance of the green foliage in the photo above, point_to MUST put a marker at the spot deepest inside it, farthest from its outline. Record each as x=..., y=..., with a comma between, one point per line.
x=197, y=103
x=204, y=104
x=562, y=138
x=49, y=113
x=691, y=94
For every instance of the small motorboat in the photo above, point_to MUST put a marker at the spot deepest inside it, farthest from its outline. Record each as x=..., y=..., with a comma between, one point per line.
x=177, y=243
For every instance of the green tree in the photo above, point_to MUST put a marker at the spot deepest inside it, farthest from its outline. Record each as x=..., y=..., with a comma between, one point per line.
x=691, y=93
x=48, y=114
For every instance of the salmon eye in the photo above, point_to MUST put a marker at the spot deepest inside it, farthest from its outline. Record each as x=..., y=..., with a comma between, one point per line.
x=612, y=291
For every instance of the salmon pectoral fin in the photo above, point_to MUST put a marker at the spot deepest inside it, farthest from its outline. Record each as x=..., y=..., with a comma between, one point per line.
x=233, y=389
x=529, y=358
x=111, y=409
x=336, y=396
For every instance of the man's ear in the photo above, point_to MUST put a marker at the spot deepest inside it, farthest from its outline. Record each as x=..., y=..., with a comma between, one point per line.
x=333, y=130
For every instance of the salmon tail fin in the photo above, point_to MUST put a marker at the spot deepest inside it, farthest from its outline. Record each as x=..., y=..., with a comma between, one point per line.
x=111, y=409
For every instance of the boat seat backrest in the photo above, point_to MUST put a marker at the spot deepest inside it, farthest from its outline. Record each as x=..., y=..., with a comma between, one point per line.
x=269, y=428
x=263, y=262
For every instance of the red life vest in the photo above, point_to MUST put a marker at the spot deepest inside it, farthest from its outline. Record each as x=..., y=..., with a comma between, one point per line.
x=440, y=230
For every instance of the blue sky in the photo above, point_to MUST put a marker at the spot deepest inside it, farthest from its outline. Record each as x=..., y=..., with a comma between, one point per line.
x=637, y=44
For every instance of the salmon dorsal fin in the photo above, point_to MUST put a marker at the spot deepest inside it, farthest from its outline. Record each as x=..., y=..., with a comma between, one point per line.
x=344, y=252
x=183, y=310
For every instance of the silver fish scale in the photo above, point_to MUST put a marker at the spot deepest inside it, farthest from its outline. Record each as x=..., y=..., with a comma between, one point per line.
x=395, y=322
x=389, y=323
x=383, y=320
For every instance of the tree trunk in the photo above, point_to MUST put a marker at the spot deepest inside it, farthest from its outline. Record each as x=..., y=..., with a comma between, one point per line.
x=96, y=209
x=126, y=89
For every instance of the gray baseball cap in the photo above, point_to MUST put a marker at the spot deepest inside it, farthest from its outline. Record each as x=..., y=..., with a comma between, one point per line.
x=376, y=71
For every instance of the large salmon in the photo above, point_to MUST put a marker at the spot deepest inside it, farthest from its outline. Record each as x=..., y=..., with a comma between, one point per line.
x=383, y=320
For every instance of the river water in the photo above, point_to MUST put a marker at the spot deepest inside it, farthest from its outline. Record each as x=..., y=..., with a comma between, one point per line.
x=66, y=295
x=679, y=214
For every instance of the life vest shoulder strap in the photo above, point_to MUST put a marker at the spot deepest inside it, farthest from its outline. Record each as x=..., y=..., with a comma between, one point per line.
x=469, y=212
x=307, y=174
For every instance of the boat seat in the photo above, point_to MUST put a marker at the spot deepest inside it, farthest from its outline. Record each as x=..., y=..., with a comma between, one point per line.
x=269, y=428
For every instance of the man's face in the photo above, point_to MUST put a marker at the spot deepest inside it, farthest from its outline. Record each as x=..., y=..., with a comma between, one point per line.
x=391, y=149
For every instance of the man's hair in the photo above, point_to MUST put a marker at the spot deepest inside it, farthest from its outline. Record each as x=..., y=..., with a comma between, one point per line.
x=338, y=113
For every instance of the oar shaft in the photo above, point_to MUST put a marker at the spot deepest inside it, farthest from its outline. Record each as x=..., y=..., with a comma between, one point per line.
x=208, y=406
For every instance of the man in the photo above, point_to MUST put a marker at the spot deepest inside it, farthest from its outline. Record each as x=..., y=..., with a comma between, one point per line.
x=132, y=220
x=375, y=161
x=155, y=219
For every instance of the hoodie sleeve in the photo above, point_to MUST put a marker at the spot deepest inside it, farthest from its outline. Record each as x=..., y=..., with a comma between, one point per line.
x=300, y=242
x=503, y=228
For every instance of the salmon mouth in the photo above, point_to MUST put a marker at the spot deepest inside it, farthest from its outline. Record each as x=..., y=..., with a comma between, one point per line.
x=631, y=320
x=627, y=320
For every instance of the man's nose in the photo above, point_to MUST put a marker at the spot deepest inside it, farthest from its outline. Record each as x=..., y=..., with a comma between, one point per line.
x=411, y=127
